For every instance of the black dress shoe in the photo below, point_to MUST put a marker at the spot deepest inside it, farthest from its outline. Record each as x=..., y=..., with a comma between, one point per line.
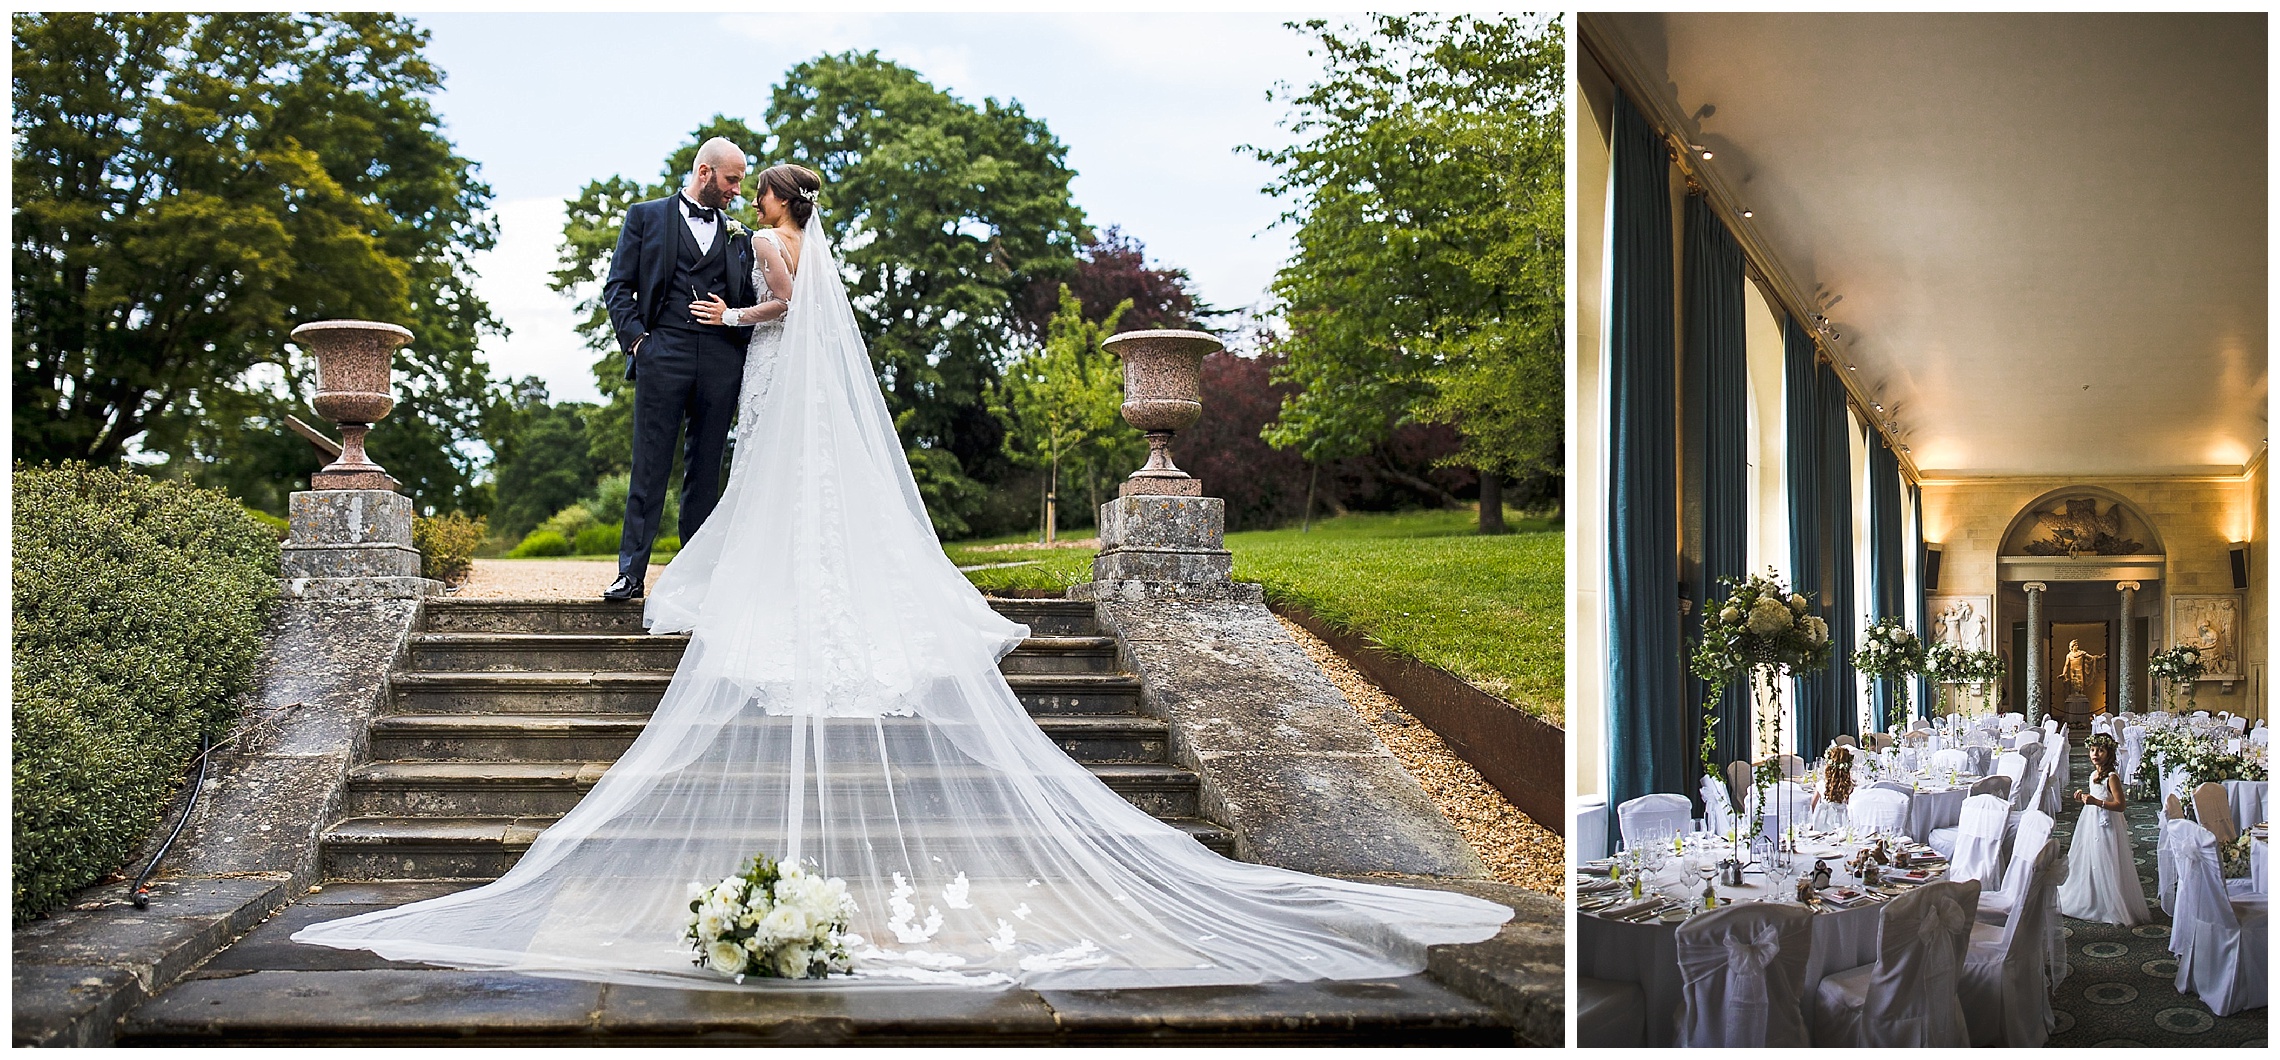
x=625, y=588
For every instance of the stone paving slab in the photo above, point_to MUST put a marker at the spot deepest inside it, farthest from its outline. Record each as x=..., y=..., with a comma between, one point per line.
x=796, y=1014
x=1411, y=1011
x=270, y=947
x=66, y=1006
x=367, y=1007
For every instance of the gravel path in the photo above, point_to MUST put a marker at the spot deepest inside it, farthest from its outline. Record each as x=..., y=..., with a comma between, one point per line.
x=1516, y=849
x=543, y=579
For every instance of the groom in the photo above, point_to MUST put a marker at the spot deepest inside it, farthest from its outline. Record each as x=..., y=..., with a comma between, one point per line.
x=672, y=253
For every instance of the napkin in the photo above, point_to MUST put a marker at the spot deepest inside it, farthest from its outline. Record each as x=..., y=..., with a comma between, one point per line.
x=1630, y=909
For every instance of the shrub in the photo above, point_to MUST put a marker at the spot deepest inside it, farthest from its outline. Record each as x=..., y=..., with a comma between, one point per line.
x=569, y=521
x=666, y=544
x=600, y=539
x=447, y=545
x=276, y=526
x=541, y=543
x=140, y=607
x=607, y=504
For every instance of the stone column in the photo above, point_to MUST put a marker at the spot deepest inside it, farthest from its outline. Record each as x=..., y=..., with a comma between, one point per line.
x=2035, y=677
x=2125, y=654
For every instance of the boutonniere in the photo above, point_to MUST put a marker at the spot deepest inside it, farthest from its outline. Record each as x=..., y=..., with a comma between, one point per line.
x=736, y=229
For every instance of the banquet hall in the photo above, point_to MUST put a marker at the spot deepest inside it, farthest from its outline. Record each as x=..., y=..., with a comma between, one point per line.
x=1918, y=529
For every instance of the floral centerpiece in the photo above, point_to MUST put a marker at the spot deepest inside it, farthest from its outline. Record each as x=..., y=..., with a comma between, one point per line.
x=1890, y=651
x=2203, y=759
x=2179, y=665
x=1758, y=634
x=773, y=919
x=1948, y=664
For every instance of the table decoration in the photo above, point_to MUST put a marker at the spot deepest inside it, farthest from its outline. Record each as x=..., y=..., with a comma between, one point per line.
x=1758, y=634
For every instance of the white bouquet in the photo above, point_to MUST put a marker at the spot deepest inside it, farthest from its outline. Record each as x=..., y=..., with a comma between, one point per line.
x=1888, y=650
x=774, y=920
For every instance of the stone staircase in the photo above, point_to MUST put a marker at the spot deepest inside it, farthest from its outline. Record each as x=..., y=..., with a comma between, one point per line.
x=503, y=714
x=507, y=712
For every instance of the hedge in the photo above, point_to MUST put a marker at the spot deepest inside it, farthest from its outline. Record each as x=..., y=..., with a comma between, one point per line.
x=447, y=545
x=140, y=609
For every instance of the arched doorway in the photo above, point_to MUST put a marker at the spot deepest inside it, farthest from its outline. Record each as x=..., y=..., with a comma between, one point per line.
x=2080, y=579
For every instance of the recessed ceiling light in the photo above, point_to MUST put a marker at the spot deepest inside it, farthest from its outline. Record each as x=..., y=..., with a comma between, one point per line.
x=1878, y=406
x=1749, y=213
x=1852, y=368
x=1707, y=155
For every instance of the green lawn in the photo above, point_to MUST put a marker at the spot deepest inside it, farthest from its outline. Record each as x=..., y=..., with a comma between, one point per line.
x=1420, y=583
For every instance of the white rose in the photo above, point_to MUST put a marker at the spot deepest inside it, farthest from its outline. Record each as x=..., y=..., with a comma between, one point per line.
x=725, y=957
x=785, y=923
x=792, y=961
x=1730, y=615
x=1797, y=602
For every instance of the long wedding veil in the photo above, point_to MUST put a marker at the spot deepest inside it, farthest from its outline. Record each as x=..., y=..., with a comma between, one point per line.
x=840, y=704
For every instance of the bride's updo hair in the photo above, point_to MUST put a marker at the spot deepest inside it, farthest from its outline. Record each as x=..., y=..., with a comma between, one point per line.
x=796, y=185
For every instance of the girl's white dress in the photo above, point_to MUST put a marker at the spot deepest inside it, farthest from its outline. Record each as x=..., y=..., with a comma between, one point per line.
x=2101, y=878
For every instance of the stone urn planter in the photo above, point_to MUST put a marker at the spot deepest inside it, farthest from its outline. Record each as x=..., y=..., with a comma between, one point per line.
x=1163, y=394
x=354, y=359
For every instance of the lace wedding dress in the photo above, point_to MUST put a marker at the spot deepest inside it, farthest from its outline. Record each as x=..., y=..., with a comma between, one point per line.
x=840, y=704
x=2101, y=875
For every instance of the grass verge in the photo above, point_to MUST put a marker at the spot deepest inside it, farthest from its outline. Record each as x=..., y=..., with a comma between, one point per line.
x=1423, y=584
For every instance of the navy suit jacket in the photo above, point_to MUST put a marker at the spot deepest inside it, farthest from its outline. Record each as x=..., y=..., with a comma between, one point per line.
x=642, y=266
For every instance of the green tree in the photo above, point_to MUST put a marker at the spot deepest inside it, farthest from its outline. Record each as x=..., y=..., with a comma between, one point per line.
x=1428, y=281
x=943, y=213
x=542, y=462
x=188, y=188
x=1060, y=400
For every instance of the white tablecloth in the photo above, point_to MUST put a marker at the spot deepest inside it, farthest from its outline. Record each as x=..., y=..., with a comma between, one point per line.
x=1647, y=954
x=2247, y=797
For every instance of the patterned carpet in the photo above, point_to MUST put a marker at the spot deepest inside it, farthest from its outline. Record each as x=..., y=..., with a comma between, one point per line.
x=2123, y=988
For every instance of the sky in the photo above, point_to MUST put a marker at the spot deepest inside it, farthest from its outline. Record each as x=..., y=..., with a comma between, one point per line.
x=1152, y=108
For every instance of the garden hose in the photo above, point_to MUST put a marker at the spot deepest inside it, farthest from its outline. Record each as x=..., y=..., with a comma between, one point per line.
x=142, y=882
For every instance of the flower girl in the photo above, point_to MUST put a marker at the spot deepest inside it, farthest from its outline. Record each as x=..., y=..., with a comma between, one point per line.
x=2101, y=878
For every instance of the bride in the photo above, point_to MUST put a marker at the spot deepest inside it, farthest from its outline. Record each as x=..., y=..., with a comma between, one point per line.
x=840, y=705
x=2101, y=876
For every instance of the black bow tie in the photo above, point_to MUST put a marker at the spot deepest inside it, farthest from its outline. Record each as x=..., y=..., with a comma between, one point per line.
x=703, y=213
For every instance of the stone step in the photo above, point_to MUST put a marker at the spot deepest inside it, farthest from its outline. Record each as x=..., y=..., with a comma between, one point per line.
x=472, y=737
x=584, y=652
x=1045, y=618
x=366, y=1004
x=631, y=692
x=546, y=788
x=606, y=652
x=482, y=848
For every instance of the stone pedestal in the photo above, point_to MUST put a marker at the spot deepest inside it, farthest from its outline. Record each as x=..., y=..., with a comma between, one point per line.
x=1159, y=538
x=2076, y=715
x=353, y=544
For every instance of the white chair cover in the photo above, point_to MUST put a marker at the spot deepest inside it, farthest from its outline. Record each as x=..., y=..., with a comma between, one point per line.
x=2220, y=939
x=2237, y=723
x=1742, y=975
x=2057, y=767
x=1977, y=852
x=1609, y=1014
x=2165, y=861
x=1717, y=808
x=2132, y=752
x=1954, y=758
x=1590, y=838
x=1881, y=809
x=2013, y=765
x=1908, y=998
x=2050, y=725
x=2099, y=724
x=2260, y=737
x=2034, y=779
x=2006, y=999
x=2034, y=828
x=1657, y=816
x=2030, y=736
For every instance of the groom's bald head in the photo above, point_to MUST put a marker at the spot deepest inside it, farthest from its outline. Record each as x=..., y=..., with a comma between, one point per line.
x=719, y=174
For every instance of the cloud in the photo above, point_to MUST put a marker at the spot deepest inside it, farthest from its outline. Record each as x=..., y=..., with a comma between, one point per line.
x=513, y=278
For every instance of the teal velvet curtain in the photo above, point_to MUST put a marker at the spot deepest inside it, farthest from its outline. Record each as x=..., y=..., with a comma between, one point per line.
x=1886, y=588
x=1717, y=360
x=1801, y=406
x=1916, y=607
x=1646, y=711
x=1837, y=714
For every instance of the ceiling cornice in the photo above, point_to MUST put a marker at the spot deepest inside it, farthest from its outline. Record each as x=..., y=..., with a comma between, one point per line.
x=1632, y=76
